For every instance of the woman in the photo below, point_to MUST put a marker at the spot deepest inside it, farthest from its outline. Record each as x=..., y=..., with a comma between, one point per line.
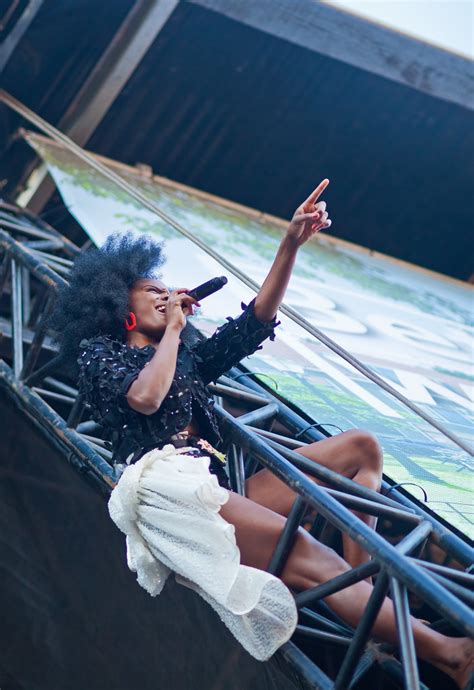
x=146, y=384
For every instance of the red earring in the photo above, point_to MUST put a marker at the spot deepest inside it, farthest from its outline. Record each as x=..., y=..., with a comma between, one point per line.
x=130, y=325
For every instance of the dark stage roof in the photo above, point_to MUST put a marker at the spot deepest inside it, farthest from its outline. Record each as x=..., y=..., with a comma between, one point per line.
x=260, y=119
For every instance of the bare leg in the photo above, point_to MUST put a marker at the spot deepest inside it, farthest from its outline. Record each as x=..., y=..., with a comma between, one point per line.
x=354, y=454
x=310, y=563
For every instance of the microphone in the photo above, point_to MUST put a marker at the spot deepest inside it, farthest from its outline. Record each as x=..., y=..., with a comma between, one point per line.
x=208, y=288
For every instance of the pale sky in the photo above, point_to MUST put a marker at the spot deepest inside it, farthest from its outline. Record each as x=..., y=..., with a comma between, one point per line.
x=448, y=24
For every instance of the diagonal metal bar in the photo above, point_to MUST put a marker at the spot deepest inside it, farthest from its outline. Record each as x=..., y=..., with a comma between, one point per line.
x=278, y=438
x=4, y=272
x=46, y=256
x=236, y=469
x=460, y=576
x=336, y=584
x=18, y=251
x=362, y=633
x=40, y=299
x=373, y=507
x=460, y=591
x=17, y=318
x=362, y=572
x=405, y=635
x=323, y=636
x=320, y=621
x=238, y=393
x=26, y=295
x=287, y=537
x=367, y=660
x=47, y=368
x=37, y=343
x=60, y=386
x=76, y=412
x=261, y=414
x=23, y=229
x=15, y=35
x=313, y=677
x=45, y=393
x=393, y=669
x=318, y=527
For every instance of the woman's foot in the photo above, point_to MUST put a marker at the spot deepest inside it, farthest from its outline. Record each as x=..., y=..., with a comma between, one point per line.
x=458, y=661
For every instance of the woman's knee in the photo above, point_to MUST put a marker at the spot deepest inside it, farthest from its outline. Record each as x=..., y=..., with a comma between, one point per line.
x=367, y=448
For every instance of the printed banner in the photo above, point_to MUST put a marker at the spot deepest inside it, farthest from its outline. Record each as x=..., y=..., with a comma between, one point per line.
x=411, y=326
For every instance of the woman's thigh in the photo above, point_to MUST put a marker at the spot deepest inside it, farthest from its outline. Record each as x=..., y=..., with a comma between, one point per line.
x=257, y=530
x=336, y=453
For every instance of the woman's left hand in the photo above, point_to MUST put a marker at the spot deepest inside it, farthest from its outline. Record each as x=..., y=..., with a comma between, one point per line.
x=310, y=217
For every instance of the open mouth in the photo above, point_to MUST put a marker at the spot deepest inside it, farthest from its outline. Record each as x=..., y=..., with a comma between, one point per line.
x=161, y=308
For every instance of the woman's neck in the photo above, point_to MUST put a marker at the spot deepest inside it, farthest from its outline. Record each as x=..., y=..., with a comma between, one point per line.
x=141, y=340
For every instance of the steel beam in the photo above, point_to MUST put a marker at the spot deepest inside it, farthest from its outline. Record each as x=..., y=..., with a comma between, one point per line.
x=122, y=56
x=236, y=469
x=18, y=31
x=405, y=635
x=17, y=318
x=366, y=45
x=287, y=537
x=362, y=633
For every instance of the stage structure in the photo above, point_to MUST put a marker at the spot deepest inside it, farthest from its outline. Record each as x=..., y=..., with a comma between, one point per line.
x=411, y=327
x=261, y=430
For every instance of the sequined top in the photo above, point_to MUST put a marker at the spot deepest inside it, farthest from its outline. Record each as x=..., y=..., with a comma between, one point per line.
x=108, y=368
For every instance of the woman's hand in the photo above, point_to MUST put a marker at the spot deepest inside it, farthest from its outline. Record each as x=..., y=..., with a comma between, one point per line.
x=178, y=306
x=310, y=217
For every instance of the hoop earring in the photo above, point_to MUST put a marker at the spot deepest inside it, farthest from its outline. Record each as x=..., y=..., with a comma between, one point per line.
x=133, y=321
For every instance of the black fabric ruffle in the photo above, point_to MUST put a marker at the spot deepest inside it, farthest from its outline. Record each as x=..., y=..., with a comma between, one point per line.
x=231, y=342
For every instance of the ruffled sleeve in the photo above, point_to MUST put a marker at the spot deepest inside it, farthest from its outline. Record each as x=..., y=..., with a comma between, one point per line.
x=106, y=374
x=231, y=342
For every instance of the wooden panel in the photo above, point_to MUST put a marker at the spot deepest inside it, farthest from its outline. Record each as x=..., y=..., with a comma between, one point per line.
x=358, y=42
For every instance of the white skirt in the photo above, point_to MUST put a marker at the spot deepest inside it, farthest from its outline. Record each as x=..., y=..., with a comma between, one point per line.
x=167, y=504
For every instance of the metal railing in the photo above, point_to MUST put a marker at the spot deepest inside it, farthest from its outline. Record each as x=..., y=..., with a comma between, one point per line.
x=35, y=261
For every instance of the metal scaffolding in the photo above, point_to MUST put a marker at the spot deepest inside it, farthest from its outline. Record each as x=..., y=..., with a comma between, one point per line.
x=263, y=432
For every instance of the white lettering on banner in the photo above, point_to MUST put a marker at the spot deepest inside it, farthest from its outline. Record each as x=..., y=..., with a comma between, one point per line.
x=468, y=388
x=323, y=312
x=418, y=336
x=416, y=387
x=323, y=365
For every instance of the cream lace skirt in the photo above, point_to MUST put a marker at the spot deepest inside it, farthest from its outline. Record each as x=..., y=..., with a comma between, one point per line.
x=167, y=504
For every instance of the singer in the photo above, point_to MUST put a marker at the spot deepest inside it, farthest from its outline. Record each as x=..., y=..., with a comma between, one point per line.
x=145, y=383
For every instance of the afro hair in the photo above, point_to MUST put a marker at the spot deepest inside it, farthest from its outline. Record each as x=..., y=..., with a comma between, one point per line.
x=96, y=300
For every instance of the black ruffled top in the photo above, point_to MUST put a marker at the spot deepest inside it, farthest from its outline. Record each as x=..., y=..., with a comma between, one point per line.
x=108, y=368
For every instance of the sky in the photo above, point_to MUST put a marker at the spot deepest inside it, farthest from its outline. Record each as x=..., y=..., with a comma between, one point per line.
x=448, y=24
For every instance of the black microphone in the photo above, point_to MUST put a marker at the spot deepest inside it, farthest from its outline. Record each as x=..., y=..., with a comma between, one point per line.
x=208, y=288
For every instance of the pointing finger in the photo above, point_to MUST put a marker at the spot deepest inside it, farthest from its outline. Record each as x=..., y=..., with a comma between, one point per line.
x=316, y=193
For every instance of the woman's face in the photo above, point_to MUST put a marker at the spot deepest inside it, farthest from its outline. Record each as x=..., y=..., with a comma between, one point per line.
x=147, y=299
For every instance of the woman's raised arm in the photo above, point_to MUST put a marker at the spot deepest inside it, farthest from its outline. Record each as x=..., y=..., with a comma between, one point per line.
x=307, y=220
